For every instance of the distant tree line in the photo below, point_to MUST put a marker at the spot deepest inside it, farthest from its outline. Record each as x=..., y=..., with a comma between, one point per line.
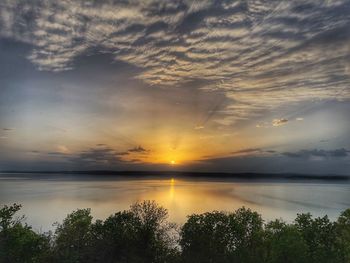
x=142, y=234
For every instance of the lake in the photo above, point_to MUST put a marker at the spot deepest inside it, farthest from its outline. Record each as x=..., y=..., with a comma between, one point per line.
x=47, y=198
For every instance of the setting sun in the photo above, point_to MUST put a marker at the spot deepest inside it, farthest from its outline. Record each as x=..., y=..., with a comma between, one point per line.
x=172, y=162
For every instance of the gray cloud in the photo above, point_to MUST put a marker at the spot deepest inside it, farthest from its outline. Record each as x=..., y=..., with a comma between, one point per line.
x=137, y=149
x=253, y=151
x=246, y=151
x=261, y=54
x=99, y=155
x=274, y=164
x=104, y=155
x=317, y=153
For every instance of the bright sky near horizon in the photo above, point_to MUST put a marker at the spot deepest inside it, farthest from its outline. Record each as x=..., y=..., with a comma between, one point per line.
x=230, y=86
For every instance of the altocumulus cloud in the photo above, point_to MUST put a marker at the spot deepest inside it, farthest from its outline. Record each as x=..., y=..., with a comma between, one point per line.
x=261, y=54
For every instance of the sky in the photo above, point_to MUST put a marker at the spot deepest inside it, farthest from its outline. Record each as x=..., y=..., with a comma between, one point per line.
x=188, y=85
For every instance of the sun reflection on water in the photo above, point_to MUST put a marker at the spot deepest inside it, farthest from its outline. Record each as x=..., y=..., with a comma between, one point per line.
x=172, y=190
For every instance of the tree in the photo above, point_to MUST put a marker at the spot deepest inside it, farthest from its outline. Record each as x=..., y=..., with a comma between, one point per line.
x=115, y=239
x=284, y=243
x=205, y=238
x=18, y=242
x=222, y=237
x=140, y=234
x=320, y=236
x=247, y=236
x=156, y=238
x=72, y=239
x=343, y=236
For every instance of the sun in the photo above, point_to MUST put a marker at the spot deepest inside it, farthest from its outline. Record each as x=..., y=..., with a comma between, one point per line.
x=172, y=162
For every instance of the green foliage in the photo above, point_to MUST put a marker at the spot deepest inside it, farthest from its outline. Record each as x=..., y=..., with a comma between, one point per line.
x=246, y=234
x=222, y=237
x=142, y=234
x=284, y=243
x=343, y=236
x=115, y=239
x=73, y=237
x=320, y=236
x=155, y=235
x=18, y=242
x=206, y=238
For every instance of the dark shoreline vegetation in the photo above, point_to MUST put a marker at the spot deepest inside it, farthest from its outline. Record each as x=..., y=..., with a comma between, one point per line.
x=184, y=174
x=143, y=234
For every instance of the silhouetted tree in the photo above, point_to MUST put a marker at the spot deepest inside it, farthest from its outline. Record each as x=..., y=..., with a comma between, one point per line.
x=73, y=238
x=156, y=238
x=18, y=242
x=284, y=243
x=222, y=237
x=115, y=239
x=247, y=236
x=343, y=236
x=206, y=238
x=142, y=234
x=320, y=236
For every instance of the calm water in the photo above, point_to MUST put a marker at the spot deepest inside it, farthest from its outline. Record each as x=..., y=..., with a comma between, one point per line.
x=47, y=199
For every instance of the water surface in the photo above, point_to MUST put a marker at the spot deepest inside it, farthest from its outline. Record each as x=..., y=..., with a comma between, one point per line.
x=47, y=199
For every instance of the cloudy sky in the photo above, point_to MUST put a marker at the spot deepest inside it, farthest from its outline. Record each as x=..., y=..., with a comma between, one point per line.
x=202, y=85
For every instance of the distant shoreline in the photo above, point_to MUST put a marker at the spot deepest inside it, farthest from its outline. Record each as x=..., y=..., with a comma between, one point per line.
x=180, y=174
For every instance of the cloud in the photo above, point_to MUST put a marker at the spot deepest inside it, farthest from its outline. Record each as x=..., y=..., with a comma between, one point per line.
x=63, y=149
x=323, y=141
x=261, y=54
x=276, y=122
x=99, y=155
x=279, y=122
x=5, y=133
x=104, y=155
x=341, y=152
x=247, y=151
x=273, y=123
x=273, y=164
x=262, y=125
x=253, y=152
x=137, y=149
